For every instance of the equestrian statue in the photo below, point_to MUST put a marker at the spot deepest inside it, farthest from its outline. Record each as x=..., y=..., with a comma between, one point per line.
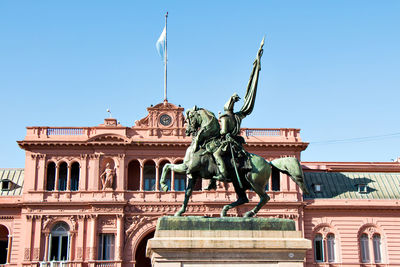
x=216, y=152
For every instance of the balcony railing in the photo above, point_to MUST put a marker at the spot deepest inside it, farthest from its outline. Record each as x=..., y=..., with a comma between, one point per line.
x=55, y=264
x=105, y=264
x=65, y=131
x=263, y=132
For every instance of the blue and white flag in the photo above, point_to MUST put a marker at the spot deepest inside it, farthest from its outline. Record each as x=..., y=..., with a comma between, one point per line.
x=161, y=42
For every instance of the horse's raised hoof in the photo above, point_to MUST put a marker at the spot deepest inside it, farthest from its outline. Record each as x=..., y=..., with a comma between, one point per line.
x=249, y=214
x=224, y=211
x=164, y=187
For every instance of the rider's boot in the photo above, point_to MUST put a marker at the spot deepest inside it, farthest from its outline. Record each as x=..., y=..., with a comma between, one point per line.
x=222, y=172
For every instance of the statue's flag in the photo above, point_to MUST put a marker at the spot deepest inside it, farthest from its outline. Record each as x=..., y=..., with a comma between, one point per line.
x=161, y=44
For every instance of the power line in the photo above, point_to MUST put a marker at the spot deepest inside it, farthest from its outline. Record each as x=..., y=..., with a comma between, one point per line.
x=357, y=139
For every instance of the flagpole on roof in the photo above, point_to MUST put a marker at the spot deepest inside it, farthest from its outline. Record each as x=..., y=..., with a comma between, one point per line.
x=165, y=59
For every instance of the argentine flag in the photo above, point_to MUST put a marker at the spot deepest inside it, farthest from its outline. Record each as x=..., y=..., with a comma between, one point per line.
x=161, y=42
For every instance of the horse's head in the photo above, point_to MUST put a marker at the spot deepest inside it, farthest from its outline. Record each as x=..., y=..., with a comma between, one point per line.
x=192, y=121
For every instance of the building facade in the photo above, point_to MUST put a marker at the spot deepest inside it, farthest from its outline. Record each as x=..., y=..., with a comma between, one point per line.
x=90, y=196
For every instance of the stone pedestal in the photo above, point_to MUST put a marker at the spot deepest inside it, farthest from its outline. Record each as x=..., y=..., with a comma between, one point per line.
x=199, y=241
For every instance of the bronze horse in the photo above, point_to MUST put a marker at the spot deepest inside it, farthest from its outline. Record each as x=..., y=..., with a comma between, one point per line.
x=198, y=164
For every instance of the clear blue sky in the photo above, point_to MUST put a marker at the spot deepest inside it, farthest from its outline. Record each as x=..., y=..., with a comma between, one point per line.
x=330, y=68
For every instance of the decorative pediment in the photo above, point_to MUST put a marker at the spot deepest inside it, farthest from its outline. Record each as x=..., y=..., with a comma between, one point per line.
x=164, y=119
x=108, y=138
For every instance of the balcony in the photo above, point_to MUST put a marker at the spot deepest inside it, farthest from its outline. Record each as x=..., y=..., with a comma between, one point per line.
x=82, y=134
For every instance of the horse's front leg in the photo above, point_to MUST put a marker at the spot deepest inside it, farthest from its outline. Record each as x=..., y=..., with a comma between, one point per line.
x=177, y=168
x=188, y=193
x=165, y=170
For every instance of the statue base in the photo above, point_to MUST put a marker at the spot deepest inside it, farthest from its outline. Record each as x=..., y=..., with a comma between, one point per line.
x=200, y=241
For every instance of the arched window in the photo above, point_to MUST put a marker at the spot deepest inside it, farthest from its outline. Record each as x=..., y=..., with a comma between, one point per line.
x=364, y=248
x=59, y=242
x=318, y=248
x=134, y=175
x=149, y=176
x=330, y=246
x=376, y=243
x=62, y=176
x=51, y=176
x=4, y=244
x=180, y=180
x=75, y=176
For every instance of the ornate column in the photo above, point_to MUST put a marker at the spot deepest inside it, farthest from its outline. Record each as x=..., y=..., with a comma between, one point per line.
x=157, y=188
x=141, y=181
x=37, y=235
x=119, y=242
x=71, y=256
x=94, y=171
x=285, y=183
x=270, y=184
x=371, y=232
x=9, y=245
x=57, y=178
x=32, y=184
x=172, y=181
x=83, y=173
x=28, y=238
x=121, y=179
x=80, y=238
x=69, y=177
x=41, y=174
x=93, y=237
x=46, y=246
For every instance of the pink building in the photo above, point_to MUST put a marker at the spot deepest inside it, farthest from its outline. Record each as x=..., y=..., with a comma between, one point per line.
x=89, y=196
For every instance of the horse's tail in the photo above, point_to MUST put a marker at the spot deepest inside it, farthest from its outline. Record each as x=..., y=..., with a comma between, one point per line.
x=292, y=167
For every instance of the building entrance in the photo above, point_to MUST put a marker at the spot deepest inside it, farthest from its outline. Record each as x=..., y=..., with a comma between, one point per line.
x=140, y=256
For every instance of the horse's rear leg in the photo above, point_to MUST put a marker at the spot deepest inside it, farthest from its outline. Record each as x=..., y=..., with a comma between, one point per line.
x=188, y=193
x=242, y=199
x=264, y=198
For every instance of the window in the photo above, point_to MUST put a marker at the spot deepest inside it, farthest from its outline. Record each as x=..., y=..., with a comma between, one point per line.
x=330, y=246
x=364, y=248
x=180, y=179
x=51, y=176
x=62, y=176
x=318, y=248
x=317, y=188
x=362, y=188
x=180, y=182
x=75, y=176
x=376, y=243
x=59, y=242
x=5, y=185
x=106, y=247
x=134, y=175
x=276, y=181
x=149, y=175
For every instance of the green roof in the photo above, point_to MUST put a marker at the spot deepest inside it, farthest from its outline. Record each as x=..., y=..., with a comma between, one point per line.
x=345, y=185
x=15, y=180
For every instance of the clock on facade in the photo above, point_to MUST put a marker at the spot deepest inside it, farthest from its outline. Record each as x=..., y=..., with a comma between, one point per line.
x=165, y=119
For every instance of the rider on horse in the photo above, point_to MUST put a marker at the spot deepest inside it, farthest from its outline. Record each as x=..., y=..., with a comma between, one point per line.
x=230, y=123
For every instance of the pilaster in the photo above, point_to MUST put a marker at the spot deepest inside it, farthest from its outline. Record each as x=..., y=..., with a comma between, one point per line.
x=121, y=179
